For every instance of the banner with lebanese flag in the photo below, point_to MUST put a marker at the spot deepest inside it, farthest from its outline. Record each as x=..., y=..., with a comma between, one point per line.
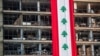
x=63, y=34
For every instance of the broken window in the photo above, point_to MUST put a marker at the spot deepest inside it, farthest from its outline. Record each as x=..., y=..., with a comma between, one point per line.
x=29, y=6
x=95, y=8
x=30, y=20
x=45, y=7
x=81, y=22
x=97, y=50
x=46, y=35
x=81, y=8
x=45, y=20
x=11, y=4
x=27, y=49
x=31, y=34
x=12, y=19
x=10, y=33
x=82, y=36
x=96, y=35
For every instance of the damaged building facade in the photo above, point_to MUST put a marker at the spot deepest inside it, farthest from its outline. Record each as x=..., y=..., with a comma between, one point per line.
x=25, y=27
x=87, y=26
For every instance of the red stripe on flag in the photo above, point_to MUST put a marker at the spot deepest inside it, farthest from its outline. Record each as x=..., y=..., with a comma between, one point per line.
x=55, y=42
x=73, y=39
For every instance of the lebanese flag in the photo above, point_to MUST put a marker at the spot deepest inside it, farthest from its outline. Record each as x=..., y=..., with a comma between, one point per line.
x=63, y=34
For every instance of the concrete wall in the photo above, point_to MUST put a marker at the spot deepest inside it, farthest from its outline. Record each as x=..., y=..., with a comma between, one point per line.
x=1, y=29
x=0, y=5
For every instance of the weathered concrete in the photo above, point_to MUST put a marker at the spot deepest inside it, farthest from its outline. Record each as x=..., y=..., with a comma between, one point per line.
x=0, y=5
x=1, y=29
x=1, y=48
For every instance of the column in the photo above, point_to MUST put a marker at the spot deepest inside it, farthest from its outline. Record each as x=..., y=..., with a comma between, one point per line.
x=39, y=35
x=22, y=49
x=21, y=36
x=39, y=20
x=89, y=22
x=77, y=39
x=22, y=45
x=38, y=5
x=1, y=28
x=75, y=7
x=92, y=48
x=90, y=32
x=91, y=35
x=38, y=9
x=84, y=51
x=89, y=8
x=20, y=5
x=39, y=30
x=1, y=39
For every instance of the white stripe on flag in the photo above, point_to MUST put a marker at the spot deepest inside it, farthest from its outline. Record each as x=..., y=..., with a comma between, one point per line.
x=64, y=27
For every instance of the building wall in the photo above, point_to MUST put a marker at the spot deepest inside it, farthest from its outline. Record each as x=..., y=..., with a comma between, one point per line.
x=87, y=27
x=1, y=30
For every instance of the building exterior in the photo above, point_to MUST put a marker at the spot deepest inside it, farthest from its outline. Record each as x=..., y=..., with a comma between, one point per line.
x=25, y=27
x=87, y=19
